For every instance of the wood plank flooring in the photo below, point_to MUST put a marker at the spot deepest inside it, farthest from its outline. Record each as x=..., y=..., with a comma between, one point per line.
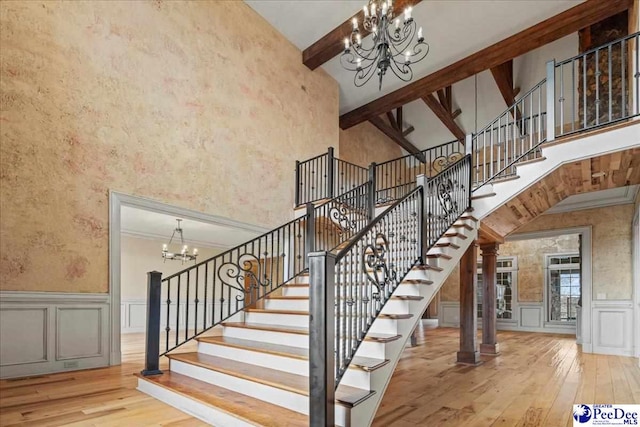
x=533, y=382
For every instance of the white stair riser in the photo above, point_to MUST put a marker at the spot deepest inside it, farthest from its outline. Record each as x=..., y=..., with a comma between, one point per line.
x=206, y=413
x=271, y=337
x=287, y=304
x=353, y=377
x=296, y=320
x=394, y=306
x=286, y=399
x=295, y=291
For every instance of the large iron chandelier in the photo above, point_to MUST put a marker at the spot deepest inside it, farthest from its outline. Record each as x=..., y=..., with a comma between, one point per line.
x=184, y=254
x=391, y=48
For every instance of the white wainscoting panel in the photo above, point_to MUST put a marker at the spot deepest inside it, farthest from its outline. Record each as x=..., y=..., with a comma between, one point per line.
x=613, y=327
x=449, y=314
x=530, y=316
x=45, y=332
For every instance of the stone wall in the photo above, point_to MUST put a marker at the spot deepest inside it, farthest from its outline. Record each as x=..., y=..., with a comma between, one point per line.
x=603, y=86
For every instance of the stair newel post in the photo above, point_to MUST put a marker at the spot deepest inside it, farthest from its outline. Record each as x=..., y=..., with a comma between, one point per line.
x=330, y=173
x=371, y=196
x=152, y=341
x=310, y=232
x=422, y=181
x=551, y=100
x=297, y=183
x=468, y=149
x=321, y=339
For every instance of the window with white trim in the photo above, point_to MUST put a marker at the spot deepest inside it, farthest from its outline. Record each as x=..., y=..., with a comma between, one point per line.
x=506, y=281
x=563, y=287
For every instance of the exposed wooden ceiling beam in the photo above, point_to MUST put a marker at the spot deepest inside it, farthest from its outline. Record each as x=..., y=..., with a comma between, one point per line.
x=503, y=75
x=445, y=115
x=397, y=137
x=563, y=24
x=392, y=121
x=332, y=44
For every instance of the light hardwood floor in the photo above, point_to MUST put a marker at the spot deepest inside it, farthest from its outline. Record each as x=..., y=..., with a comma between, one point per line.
x=533, y=383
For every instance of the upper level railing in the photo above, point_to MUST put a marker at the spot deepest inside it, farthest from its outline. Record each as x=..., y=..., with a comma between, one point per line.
x=325, y=177
x=348, y=290
x=597, y=88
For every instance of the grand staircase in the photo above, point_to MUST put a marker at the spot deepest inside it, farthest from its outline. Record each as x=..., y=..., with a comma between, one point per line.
x=377, y=243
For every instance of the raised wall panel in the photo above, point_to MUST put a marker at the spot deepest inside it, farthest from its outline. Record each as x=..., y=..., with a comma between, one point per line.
x=531, y=317
x=28, y=327
x=449, y=314
x=78, y=332
x=45, y=332
x=613, y=328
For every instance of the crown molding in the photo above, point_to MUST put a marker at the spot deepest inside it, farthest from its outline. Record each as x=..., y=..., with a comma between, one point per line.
x=601, y=202
x=163, y=239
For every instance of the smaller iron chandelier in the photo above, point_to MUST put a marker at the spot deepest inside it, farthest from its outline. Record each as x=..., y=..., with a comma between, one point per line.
x=391, y=48
x=184, y=254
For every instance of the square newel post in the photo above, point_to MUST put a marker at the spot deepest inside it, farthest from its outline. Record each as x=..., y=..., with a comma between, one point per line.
x=551, y=101
x=152, y=339
x=423, y=181
x=321, y=339
x=489, y=344
x=468, y=353
x=330, y=173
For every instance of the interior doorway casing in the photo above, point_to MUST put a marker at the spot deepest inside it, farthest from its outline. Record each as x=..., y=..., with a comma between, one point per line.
x=585, y=334
x=116, y=201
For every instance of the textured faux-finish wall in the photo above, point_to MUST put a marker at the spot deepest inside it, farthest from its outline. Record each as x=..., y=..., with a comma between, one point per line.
x=611, y=243
x=198, y=104
x=611, y=252
x=364, y=143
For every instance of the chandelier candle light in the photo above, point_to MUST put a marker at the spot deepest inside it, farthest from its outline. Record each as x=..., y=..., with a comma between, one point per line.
x=184, y=254
x=391, y=48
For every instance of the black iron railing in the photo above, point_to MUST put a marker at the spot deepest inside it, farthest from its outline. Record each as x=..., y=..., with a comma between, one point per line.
x=597, y=88
x=513, y=136
x=325, y=177
x=348, y=290
x=188, y=303
x=396, y=178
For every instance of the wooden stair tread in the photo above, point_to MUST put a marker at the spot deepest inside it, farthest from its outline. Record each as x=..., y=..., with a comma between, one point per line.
x=447, y=245
x=364, y=363
x=534, y=160
x=306, y=313
x=504, y=179
x=462, y=225
x=467, y=215
x=265, y=310
x=455, y=234
x=482, y=196
x=402, y=297
x=417, y=282
x=286, y=297
x=303, y=331
x=439, y=255
x=247, y=408
x=298, y=384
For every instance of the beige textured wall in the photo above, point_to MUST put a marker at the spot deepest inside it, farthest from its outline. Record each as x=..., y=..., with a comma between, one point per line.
x=140, y=256
x=198, y=104
x=611, y=234
x=611, y=254
x=364, y=143
x=531, y=259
